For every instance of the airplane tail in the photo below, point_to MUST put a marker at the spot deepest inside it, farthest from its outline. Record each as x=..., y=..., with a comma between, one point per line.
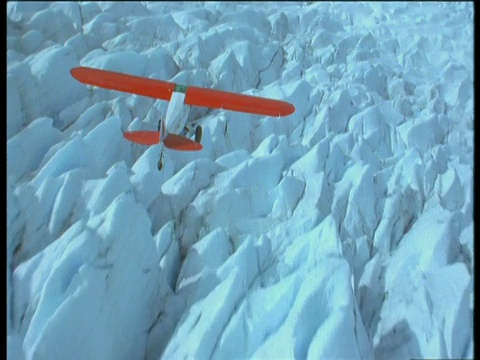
x=172, y=141
x=143, y=137
x=177, y=142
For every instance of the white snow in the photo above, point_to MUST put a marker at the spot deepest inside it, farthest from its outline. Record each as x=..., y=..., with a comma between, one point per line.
x=342, y=231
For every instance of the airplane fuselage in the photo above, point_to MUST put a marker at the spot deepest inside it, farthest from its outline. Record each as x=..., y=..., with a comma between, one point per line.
x=177, y=115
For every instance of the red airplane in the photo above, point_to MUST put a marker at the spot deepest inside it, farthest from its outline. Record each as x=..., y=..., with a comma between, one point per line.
x=188, y=95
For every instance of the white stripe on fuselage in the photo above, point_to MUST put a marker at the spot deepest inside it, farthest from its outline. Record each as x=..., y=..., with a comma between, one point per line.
x=177, y=113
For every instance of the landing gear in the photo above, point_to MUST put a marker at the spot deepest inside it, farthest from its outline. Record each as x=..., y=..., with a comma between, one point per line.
x=160, y=162
x=161, y=129
x=198, y=134
x=186, y=131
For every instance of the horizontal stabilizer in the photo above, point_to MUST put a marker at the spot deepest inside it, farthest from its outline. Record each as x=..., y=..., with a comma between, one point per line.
x=143, y=137
x=177, y=142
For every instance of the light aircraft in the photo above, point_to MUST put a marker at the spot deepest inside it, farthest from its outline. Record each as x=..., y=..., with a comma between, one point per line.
x=168, y=131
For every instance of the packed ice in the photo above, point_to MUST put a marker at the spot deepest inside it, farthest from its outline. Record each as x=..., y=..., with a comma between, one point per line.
x=342, y=231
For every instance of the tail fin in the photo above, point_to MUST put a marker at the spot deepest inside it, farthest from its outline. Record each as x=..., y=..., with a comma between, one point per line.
x=177, y=142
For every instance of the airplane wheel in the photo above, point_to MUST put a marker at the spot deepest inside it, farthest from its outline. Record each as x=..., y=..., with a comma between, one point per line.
x=198, y=134
x=160, y=163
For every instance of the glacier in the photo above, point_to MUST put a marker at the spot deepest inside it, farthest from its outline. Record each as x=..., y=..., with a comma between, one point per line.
x=343, y=231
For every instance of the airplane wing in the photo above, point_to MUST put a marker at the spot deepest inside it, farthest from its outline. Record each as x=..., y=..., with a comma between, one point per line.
x=123, y=82
x=218, y=99
x=195, y=96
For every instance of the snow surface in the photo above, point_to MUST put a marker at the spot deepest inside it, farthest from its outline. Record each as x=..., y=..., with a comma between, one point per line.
x=343, y=231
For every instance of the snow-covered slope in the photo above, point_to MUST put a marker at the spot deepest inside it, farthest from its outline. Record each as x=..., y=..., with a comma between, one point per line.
x=343, y=231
